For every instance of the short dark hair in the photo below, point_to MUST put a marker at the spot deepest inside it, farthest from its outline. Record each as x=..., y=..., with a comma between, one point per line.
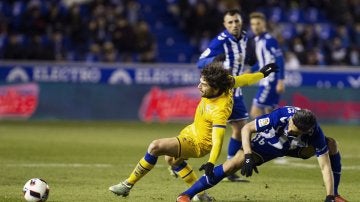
x=217, y=77
x=304, y=120
x=257, y=15
x=231, y=12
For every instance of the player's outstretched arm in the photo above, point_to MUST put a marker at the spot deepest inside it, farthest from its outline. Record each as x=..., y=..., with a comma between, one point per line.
x=249, y=164
x=217, y=141
x=325, y=166
x=246, y=132
x=218, y=133
x=250, y=79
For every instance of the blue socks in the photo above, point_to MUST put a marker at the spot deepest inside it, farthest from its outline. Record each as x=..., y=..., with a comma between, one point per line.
x=234, y=146
x=179, y=167
x=205, y=182
x=150, y=158
x=335, y=161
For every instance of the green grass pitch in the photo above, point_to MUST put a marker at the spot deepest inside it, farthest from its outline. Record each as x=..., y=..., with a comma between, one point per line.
x=80, y=160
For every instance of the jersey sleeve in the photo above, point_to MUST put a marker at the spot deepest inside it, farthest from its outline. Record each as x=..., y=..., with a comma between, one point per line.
x=278, y=117
x=247, y=79
x=217, y=142
x=272, y=46
x=319, y=142
x=220, y=117
x=215, y=48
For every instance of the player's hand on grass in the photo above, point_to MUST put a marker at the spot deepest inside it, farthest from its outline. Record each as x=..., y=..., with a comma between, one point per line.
x=268, y=69
x=208, y=168
x=249, y=166
x=330, y=198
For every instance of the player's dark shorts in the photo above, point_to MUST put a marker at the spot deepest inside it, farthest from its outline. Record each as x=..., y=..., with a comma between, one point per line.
x=263, y=151
x=267, y=96
x=239, y=111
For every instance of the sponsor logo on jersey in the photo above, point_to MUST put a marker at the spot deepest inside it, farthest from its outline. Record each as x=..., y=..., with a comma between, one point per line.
x=263, y=122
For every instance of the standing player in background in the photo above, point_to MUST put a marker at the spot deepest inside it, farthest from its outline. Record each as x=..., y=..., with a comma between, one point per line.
x=267, y=51
x=230, y=48
x=204, y=136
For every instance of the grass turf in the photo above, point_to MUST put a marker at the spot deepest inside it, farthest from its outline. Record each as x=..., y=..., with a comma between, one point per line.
x=80, y=160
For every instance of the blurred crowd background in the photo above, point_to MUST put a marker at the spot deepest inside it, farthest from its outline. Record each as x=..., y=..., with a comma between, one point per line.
x=310, y=32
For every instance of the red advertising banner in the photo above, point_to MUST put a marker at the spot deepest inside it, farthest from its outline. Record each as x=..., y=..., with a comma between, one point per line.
x=169, y=104
x=180, y=104
x=18, y=101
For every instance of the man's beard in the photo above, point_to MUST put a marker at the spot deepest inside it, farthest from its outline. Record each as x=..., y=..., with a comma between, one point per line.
x=212, y=95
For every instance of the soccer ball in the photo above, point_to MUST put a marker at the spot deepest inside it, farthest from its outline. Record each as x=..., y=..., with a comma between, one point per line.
x=36, y=189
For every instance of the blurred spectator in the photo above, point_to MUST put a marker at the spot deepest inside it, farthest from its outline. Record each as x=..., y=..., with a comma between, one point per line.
x=354, y=56
x=95, y=53
x=110, y=53
x=75, y=27
x=299, y=49
x=124, y=39
x=58, y=46
x=303, y=27
x=56, y=17
x=94, y=31
x=311, y=58
x=338, y=52
x=38, y=49
x=145, y=43
x=14, y=49
x=357, y=34
x=318, y=32
x=291, y=61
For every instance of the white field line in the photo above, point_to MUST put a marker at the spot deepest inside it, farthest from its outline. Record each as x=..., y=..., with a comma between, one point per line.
x=281, y=163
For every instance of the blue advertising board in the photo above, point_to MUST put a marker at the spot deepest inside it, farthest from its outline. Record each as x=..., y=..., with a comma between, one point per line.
x=157, y=74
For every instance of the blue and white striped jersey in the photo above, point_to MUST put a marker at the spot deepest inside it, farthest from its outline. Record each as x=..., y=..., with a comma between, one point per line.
x=234, y=50
x=274, y=128
x=267, y=51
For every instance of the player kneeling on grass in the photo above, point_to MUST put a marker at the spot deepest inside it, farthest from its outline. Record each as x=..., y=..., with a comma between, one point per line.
x=287, y=131
x=205, y=135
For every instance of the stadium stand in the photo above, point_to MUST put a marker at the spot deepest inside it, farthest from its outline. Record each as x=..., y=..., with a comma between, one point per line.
x=310, y=32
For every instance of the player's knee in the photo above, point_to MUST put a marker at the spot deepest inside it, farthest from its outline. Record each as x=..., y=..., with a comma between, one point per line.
x=155, y=147
x=332, y=145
